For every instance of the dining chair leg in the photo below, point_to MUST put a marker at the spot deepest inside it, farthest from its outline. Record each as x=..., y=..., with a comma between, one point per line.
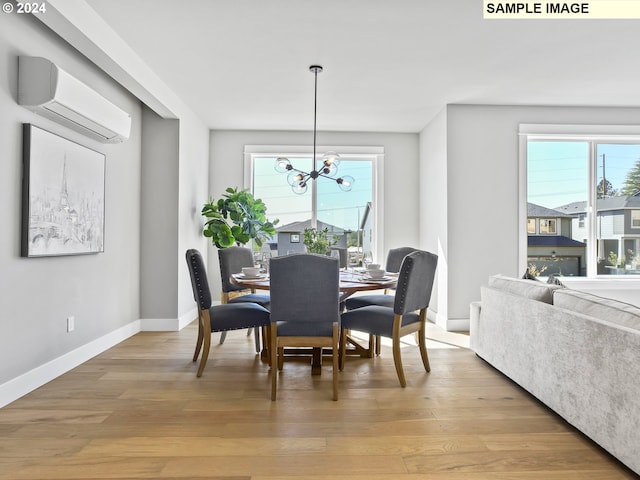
x=335, y=354
x=280, y=358
x=206, y=325
x=273, y=350
x=422, y=342
x=371, y=347
x=342, y=347
x=223, y=336
x=257, y=338
x=199, y=340
x=265, y=354
x=397, y=360
x=378, y=343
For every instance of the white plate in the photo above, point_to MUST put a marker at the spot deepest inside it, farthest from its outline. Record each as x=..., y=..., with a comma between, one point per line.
x=242, y=276
x=381, y=279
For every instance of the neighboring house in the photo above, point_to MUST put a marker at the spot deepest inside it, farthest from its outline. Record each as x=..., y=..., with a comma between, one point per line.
x=366, y=228
x=551, y=246
x=618, y=229
x=290, y=237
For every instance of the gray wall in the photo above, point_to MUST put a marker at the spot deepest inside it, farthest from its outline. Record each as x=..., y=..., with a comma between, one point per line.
x=478, y=192
x=155, y=185
x=400, y=175
x=158, y=224
x=36, y=295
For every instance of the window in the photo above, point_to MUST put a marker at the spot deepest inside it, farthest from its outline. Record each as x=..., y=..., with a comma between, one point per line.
x=531, y=225
x=547, y=226
x=324, y=204
x=592, y=180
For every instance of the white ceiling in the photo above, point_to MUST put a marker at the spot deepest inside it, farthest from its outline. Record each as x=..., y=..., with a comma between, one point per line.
x=388, y=65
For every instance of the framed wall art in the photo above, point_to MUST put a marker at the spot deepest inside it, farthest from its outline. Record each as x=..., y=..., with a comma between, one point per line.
x=62, y=196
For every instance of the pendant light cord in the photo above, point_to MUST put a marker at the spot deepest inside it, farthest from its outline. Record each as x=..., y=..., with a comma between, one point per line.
x=315, y=107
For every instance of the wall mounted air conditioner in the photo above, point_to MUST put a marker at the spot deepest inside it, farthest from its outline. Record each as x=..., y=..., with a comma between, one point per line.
x=51, y=92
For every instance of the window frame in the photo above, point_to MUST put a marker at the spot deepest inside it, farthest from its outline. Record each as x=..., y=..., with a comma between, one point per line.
x=548, y=221
x=373, y=153
x=593, y=134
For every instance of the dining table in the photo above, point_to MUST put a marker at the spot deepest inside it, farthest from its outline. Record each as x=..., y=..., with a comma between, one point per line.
x=352, y=281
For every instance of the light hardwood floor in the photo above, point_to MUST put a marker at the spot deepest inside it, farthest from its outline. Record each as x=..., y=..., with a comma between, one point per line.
x=138, y=411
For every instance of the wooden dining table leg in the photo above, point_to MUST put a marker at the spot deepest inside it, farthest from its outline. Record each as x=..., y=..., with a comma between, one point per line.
x=316, y=361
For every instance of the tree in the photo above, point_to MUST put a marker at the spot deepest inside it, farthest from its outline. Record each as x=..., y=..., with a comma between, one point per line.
x=632, y=182
x=607, y=191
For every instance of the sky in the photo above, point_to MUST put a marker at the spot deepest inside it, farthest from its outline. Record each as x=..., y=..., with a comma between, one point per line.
x=557, y=171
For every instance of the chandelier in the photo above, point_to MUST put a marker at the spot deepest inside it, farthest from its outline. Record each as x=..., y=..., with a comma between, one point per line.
x=299, y=179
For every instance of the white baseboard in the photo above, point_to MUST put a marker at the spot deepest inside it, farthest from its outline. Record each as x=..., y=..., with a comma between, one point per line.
x=458, y=325
x=450, y=324
x=168, y=324
x=20, y=386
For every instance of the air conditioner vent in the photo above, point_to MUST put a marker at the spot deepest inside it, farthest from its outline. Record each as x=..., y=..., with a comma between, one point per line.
x=48, y=90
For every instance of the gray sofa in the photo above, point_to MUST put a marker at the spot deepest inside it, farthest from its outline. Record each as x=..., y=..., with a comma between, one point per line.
x=576, y=352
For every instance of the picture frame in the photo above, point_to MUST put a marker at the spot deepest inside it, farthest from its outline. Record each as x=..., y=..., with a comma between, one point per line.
x=294, y=238
x=63, y=204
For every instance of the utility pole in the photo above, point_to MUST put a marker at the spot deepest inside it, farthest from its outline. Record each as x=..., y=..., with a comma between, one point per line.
x=604, y=177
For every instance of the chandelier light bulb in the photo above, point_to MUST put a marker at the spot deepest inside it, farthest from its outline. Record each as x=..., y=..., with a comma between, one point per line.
x=299, y=188
x=331, y=158
x=282, y=165
x=345, y=183
x=294, y=178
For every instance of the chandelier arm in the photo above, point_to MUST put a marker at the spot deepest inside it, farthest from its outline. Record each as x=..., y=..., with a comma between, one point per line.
x=327, y=176
x=299, y=171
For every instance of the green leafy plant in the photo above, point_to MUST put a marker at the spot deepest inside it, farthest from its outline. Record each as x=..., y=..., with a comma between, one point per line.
x=535, y=270
x=318, y=241
x=236, y=219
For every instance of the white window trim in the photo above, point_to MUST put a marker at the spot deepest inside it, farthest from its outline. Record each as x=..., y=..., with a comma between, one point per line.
x=597, y=133
x=547, y=234
x=375, y=153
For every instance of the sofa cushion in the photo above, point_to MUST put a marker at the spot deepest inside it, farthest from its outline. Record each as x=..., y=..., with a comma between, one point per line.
x=606, y=309
x=525, y=288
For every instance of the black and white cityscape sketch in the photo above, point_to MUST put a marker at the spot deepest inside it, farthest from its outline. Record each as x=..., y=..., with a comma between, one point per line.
x=64, y=193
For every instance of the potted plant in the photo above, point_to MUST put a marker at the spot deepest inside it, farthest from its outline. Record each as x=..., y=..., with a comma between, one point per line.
x=318, y=241
x=236, y=219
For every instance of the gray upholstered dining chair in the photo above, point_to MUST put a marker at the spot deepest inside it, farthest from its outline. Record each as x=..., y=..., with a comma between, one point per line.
x=232, y=259
x=304, y=308
x=394, y=261
x=408, y=314
x=218, y=318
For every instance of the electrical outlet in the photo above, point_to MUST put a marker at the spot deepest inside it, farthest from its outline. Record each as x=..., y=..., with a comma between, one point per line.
x=71, y=324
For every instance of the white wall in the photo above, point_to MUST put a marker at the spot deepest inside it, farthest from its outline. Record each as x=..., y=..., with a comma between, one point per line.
x=433, y=209
x=401, y=183
x=37, y=294
x=193, y=191
x=482, y=190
